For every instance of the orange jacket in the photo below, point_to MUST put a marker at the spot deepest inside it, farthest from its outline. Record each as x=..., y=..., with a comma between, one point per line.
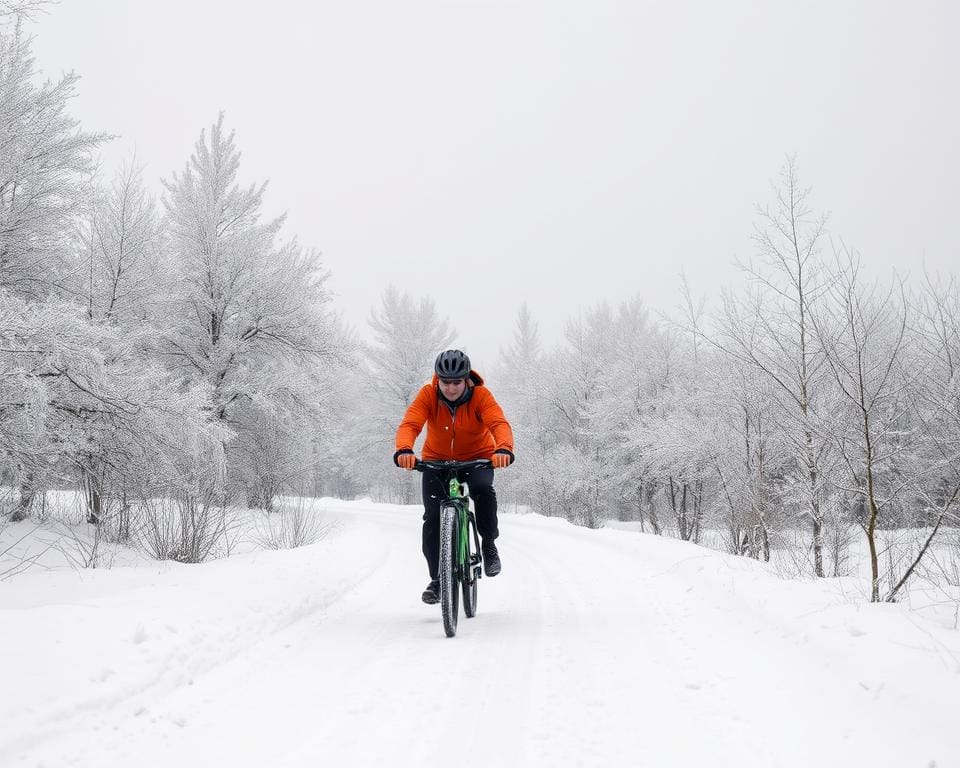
x=476, y=429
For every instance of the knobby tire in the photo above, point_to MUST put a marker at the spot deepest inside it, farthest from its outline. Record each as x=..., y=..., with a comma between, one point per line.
x=470, y=579
x=449, y=582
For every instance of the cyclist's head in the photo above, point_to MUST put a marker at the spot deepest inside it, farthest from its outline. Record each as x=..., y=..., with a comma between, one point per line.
x=452, y=364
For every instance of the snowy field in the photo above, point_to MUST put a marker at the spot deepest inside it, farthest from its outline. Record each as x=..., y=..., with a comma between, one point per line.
x=594, y=647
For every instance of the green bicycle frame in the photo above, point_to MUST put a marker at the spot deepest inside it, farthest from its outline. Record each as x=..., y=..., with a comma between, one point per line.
x=463, y=529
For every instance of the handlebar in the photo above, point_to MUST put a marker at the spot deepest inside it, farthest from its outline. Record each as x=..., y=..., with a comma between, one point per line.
x=452, y=465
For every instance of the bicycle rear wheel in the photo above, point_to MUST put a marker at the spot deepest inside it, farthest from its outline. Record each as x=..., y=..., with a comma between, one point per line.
x=471, y=573
x=449, y=572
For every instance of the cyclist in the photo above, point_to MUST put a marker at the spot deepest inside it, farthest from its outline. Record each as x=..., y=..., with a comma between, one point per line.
x=464, y=422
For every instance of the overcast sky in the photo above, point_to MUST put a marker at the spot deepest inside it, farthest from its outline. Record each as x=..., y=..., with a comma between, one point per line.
x=560, y=153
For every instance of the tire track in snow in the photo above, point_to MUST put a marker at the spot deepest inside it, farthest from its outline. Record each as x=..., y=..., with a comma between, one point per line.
x=592, y=648
x=607, y=662
x=74, y=731
x=738, y=661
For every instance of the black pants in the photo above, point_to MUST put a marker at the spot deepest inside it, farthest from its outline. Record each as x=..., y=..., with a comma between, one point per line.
x=480, y=481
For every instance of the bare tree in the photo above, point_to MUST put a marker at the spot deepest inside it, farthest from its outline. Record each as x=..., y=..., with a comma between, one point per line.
x=23, y=9
x=863, y=331
x=772, y=329
x=933, y=463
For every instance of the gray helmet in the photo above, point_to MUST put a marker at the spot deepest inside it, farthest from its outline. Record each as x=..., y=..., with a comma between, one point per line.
x=452, y=364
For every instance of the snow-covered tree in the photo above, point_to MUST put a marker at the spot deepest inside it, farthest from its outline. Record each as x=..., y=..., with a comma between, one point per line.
x=248, y=315
x=76, y=397
x=118, y=264
x=746, y=450
x=45, y=165
x=519, y=366
x=519, y=375
x=577, y=406
x=408, y=334
x=667, y=435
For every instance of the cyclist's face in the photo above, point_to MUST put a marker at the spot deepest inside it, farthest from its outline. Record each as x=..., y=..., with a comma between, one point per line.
x=452, y=388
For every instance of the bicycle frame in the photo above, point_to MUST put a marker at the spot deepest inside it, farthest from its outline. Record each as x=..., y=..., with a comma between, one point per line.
x=460, y=568
x=465, y=518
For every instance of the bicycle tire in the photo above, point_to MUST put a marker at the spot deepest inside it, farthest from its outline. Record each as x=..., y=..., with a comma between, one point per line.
x=470, y=578
x=449, y=576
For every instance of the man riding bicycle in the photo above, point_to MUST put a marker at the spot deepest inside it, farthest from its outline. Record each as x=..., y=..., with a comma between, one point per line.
x=464, y=422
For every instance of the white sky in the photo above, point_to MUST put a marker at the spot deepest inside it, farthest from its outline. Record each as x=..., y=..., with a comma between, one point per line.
x=562, y=153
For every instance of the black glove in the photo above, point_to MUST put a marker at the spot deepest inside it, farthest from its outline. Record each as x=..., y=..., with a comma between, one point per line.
x=405, y=462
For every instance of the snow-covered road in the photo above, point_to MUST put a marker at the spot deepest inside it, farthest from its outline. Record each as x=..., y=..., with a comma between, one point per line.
x=592, y=648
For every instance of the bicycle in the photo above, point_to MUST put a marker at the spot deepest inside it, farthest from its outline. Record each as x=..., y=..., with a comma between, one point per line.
x=461, y=563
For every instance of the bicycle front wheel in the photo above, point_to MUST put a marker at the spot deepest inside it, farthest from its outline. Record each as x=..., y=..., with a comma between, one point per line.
x=449, y=570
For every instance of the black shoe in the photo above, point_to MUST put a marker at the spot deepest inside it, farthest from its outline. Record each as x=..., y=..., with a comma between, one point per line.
x=491, y=558
x=431, y=595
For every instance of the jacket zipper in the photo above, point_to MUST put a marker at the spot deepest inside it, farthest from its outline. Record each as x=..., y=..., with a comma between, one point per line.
x=453, y=424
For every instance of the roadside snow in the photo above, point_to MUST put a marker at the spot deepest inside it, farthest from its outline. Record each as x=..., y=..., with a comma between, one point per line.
x=592, y=648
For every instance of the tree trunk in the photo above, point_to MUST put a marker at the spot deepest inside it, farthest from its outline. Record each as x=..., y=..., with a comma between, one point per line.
x=818, y=547
x=28, y=493
x=94, y=507
x=649, y=492
x=697, y=510
x=92, y=495
x=22, y=510
x=814, y=507
x=123, y=533
x=874, y=514
x=640, y=507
